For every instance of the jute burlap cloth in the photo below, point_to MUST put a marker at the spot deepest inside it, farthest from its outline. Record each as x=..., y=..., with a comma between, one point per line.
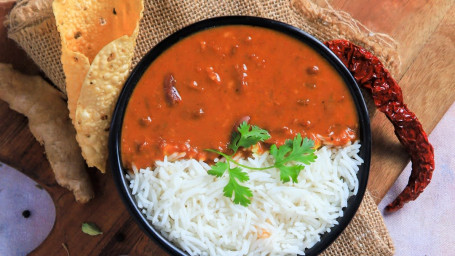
x=31, y=24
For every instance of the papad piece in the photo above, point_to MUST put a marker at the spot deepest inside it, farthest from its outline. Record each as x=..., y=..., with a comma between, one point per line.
x=48, y=120
x=97, y=99
x=85, y=27
x=75, y=67
x=88, y=26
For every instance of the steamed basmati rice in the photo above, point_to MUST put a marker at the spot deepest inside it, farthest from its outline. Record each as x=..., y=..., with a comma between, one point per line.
x=187, y=205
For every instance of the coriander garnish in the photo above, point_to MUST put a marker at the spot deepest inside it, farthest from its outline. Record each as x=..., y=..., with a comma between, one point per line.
x=298, y=150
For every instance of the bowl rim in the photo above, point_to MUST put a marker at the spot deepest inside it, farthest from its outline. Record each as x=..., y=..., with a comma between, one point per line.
x=115, y=162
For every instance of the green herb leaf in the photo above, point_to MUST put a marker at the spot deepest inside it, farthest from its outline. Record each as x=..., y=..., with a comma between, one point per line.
x=247, y=136
x=242, y=194
x=287, y=172
x=239, y=174
x=302, y=150
x=218, y=169
x=91, y=229
x=297, y=150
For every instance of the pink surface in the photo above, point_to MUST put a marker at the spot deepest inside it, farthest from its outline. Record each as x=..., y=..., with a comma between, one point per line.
x=21, y=233
x=426, y=226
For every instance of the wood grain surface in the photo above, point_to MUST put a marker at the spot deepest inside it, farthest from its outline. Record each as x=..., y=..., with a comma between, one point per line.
x=425, y=31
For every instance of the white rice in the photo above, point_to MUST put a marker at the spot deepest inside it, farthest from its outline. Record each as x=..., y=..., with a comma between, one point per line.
x=187, y=205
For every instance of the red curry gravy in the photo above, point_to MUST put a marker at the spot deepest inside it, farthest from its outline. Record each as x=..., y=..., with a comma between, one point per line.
x=195, y=93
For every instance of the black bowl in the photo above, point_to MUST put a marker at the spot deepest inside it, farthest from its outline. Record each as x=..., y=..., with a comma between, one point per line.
x=119, y=172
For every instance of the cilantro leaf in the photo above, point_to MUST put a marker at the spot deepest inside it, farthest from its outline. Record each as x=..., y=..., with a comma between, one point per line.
x=241, y=193
x=292, y=171
x=239, y=174
x=247, y=136
x=279, y=153
x=218, y=169
x=297, y=150
x=302, y=150
x=290, y=159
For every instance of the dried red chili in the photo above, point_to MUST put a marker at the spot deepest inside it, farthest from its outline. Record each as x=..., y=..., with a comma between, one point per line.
x=370, y=74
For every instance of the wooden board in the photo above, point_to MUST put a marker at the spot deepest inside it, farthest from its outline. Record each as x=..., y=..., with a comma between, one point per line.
x=425, y=31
